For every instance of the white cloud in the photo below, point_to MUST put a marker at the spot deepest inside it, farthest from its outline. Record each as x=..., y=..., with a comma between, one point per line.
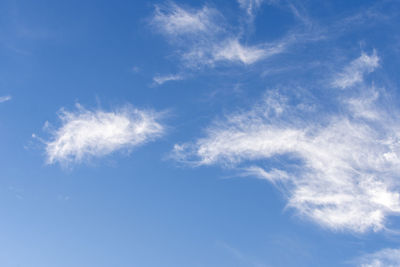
x=85, y=134
x=203, y=38
x=160, y=79
x=250, y=6
x=174, y=20
x=232, y=50
x=5, y=98
x=355, y=71
x=383, y=258
x=228, y=50
x=340, y=171
x=364, y=107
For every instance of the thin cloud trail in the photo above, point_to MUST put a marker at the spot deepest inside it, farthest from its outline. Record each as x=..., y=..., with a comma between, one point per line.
x=387, y=257
x=5, y=98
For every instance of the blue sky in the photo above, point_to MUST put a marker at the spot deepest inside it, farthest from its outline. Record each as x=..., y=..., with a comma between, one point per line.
x=199, y=133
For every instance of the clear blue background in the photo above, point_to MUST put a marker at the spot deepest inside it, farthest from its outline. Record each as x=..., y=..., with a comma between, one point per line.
x=144, y=209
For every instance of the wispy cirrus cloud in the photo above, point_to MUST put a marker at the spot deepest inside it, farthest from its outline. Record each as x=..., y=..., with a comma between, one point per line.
x=250, y=6
x=203, y=37
x=5, y=98
x=174, y=20
x=355, y=71
x=161, y=79
x=232, y=50
x=339, y=170
x=86, y=134
x=384, y=258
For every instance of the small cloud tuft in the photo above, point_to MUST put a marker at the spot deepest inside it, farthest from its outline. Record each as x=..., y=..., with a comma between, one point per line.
x=161, y=79
x=174, y=20
x=384, y=258
x=85, y=134
x=5, y=98
x=355, y=71
x=250, y=6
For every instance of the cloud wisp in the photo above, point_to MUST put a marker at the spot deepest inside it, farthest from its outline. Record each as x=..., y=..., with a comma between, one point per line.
x=5, y=98
x=340, y=170
x=204, y=39
x=86, y=134
x=250, y=6
x=173, y=20
x=355, y=71
x=233, y=51
x=384, y=258
x=161, y=79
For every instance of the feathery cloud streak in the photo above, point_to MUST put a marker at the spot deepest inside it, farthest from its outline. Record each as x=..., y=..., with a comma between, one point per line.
x=383, y=258
x=161, y=79
x=344, y=167
x=202, y=38
x=354, y=73
x=250, y=6
x=85, y=134
x=174, y=20
x=5, y=98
